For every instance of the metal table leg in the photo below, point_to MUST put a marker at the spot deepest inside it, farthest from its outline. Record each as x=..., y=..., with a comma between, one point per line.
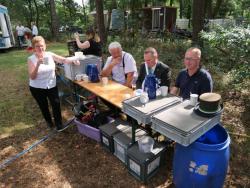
x=133, y=130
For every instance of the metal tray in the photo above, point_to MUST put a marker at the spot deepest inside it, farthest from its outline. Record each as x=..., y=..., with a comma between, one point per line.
x=181, y=124
x=143, y=113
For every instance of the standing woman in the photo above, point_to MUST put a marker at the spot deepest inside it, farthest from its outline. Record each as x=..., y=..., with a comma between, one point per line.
x=42, y=80
x=92, y=46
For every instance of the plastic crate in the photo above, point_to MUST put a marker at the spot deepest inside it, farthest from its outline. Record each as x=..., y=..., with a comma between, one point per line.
x=122, y=141
x=71, y=70
x=143, y=113
x=182, y=124
x=109, y=129
x=143, y=166
x=89, y=131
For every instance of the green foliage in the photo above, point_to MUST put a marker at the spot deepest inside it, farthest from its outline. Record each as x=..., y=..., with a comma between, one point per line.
x=228, y=50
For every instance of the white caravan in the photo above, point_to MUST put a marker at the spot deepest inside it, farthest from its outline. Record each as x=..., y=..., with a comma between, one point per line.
x=7, y=39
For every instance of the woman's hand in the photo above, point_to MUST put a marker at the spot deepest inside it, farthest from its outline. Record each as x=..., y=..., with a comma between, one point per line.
x=77, y=62
x=40, y=61
x=76, y=35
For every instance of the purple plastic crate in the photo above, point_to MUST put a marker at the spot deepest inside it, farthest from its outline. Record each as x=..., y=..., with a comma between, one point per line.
x=88, y=131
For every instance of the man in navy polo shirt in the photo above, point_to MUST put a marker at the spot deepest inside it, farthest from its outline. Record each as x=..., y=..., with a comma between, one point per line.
x=193, y=79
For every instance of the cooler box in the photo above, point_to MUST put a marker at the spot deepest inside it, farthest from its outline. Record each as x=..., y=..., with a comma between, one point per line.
x=122, y=141
x=143, y=166
x=71, y=70
x=108, y=130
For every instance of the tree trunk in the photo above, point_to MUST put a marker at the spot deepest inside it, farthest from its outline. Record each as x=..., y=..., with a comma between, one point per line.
x=217, y=8
x=208, y=9
x=84, y=13
x=54, y=20
x=198, y=18
x=30, y=13
x=37, y=13
x=100, y=20
x=181, y=8
x=171, y=3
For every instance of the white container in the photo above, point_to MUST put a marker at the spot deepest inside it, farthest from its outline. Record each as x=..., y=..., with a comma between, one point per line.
x=105, y=80
x=146, y=144
x=193, y=99
x=164, y=91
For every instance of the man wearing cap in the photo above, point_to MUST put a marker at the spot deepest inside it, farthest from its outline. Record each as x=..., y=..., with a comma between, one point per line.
x=193, y=79
x=153, y=66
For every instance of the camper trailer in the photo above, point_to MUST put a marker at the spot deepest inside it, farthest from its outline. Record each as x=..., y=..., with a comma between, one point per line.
x=7, y=39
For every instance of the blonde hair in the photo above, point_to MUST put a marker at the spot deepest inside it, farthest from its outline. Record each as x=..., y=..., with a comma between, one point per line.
x=91, y=34
x=195, y=51
x=36, y=40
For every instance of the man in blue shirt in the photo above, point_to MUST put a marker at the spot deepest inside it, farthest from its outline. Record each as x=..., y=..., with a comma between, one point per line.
x=193, y=79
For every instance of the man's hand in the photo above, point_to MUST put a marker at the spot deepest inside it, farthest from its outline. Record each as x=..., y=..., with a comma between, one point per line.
x=116, y=61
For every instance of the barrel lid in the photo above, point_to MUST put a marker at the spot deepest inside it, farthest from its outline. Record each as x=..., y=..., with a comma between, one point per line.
x=210, y=97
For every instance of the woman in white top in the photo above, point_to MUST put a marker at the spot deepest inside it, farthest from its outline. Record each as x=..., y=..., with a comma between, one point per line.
x=42, y=80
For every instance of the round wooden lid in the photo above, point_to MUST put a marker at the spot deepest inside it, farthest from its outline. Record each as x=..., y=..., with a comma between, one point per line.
x=210, y=97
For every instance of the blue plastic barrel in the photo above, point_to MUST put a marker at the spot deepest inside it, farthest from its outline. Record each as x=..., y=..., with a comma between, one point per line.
x=203, y=164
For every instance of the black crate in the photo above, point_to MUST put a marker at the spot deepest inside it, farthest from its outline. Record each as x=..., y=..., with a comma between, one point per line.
x=122, y=141
x=143, y=166
x=109, y=129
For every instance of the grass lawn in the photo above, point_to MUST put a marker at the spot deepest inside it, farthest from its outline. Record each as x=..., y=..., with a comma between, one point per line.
x=72, y=160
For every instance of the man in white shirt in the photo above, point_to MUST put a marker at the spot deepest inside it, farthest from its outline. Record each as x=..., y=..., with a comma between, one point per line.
x=34, y=29
x=20, y=34
x=121, y=65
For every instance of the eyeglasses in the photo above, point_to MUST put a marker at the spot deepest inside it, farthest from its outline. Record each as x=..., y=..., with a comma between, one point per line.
x=190, y=59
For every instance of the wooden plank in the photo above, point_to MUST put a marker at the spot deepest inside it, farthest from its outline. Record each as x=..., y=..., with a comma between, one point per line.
x=113, y=92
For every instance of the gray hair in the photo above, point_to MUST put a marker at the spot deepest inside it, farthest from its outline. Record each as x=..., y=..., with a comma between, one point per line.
x=114, y=45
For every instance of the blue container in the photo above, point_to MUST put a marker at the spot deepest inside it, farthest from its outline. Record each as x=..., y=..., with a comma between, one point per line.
x=92, y=72
x=204, y=163
x=150, y=86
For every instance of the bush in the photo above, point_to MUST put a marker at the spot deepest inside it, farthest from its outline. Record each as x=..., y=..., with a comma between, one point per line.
x=228, y=50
